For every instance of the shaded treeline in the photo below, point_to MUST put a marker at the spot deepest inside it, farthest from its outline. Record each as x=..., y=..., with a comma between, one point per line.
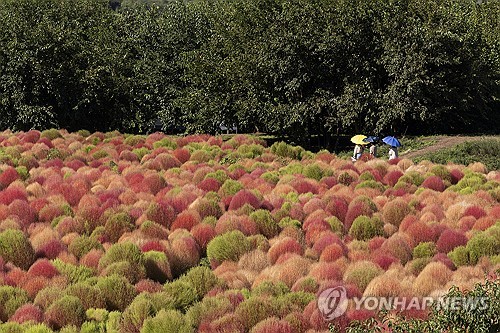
x=288, y=67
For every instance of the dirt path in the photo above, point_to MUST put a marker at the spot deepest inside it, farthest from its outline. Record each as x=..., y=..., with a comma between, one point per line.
x=443, y=142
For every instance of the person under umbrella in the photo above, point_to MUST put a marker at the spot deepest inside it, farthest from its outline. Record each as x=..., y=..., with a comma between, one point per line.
x=358, y=151
x=394, y=143
x=393, y=152
x=358, y=140
x=373, y=140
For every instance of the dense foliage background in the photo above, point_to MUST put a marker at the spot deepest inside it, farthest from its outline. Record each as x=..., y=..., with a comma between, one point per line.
x=289, y=67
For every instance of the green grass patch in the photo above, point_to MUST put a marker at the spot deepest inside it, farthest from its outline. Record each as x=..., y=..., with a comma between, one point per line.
x=485, y=151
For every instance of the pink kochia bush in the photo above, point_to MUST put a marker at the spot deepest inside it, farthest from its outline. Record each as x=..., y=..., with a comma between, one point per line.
x=210, y=234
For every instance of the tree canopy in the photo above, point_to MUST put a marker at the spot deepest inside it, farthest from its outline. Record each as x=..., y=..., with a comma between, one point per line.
x=290, y=67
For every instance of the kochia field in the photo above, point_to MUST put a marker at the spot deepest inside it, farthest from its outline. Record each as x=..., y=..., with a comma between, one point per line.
x=107, y=232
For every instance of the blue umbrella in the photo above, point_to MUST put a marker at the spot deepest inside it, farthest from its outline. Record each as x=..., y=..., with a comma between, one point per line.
x=391, y=141
x=371, y=139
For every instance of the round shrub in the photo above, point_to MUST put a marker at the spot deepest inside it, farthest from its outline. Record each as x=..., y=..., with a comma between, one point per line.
x=202, y=279
x=481, y=245
x=74, y=273
x=229, y=246
x=242, y=198
x=82, y=244
x=208, y=310
x=397, y=247
x=450, y=239
x=117, y=292
x=182, y=292
x=157, y=266
x=361, y=273
x=266, y=223
x=136, y=313
x=117, y=225
x=129, y=252
x=271, y=289
x=459, y=256
x=27, y=313
x=89, y=295
x=16, y=248
x=285, y=245
x=365, y=228
x=271, y=325
x=11, y=298
x=68, y=310
x=255, y=309
x=230, y=187
x=434, y=183
x=167, y=321
x=47, y=296
x=395, y=211
x=424, y=250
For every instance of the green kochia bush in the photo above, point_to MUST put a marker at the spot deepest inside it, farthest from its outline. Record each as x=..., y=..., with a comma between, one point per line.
x=83, y=244
x=483, y=244
x=11, y=298
x=74, y=273
x=157, y=266
x=424, y=250
x=128, y=253
x=101, y=320
x=89, y=295
x=229, y=246
x=364, y=227
x=285, y=150
x=68, y=310
x=182, y=292
x=460, y=256
x=16, y=248
x=117, y=291
x=134, y=315
x=167, y=321
x=266, y=223
x=202, y=279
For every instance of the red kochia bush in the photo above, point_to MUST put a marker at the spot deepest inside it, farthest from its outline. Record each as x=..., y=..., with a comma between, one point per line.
x=186, y=220
x=326, y=239
x=209, y=184
x=161, y=213
x=153, y=245
x=456, y=175
x=27, y=312
x=8, y=176
x=449, y=240
x=10, y=194
x=331, y=253
x=475, y=211
x=383, y=260
x=23, y=210
x=286, y=245
x=420, y=232
x=304, y=186
x=244, y=197
x=355, y=210
x=337, y=207
x=51, y=249
x=203, y=233
x=182, y=154
x=43, y=267
x=434, y=183
x=392, y=177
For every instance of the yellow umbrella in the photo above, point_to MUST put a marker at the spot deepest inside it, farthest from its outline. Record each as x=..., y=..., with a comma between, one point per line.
x=358, y=139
